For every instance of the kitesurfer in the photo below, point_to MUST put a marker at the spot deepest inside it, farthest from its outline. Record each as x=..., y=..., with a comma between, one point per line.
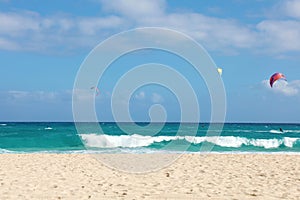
x=281, y=130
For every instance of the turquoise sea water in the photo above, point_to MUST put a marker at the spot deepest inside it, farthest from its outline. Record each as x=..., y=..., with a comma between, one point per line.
x=64, y=138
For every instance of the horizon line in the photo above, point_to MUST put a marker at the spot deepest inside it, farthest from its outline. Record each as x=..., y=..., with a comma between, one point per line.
x=177, y=122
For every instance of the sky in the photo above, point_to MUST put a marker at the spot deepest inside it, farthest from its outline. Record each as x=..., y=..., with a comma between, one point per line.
x=43, y=44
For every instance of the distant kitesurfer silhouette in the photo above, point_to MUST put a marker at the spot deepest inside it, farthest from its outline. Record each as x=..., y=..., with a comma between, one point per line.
x=280, y=129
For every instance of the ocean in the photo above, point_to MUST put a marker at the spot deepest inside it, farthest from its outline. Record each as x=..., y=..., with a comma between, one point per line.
x=63, y=137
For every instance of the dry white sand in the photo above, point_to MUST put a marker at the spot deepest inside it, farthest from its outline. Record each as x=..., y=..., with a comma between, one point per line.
x=79, y=176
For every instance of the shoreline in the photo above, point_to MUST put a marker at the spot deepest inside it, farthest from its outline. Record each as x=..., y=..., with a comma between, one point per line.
x=213, y=176
x=92, y=152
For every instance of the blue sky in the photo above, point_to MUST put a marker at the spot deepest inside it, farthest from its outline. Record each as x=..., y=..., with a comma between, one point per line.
x=43, y=43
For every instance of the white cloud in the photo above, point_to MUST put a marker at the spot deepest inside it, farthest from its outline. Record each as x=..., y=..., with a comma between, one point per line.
x=291, y=88
x=30, y=31
x=225, y=35
x=290, y=8
x=280, y=36
x=141, y=95
x=15, y=95
x=8, y=45
x=156, y=98
x=136, y=8
x=214, y=33
x=17, y=23
x=83, y=94
x=90, y=26
x=35, y=96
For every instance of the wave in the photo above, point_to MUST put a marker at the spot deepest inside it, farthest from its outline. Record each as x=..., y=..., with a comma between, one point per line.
x=263, y=131
x=134, y=141
x=3, y=124
x=48, y=128
x=284, y=131
x=291, y=131
x=4, y=151
x=277, y=132
x=142, y=151
x=231, y=141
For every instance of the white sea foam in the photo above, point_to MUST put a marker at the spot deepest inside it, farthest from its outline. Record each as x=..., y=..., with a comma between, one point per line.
x=276, y=131
x=112, y=141
x=266, y=143
x=264, y=131
x=223, y=141
x=291, y=131
x=289, y=142
x=3, y=124
x=133, y=141
x=48, y=128
x=6, y=151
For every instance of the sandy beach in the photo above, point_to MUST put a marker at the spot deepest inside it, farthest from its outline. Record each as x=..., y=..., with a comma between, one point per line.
x=192, y=176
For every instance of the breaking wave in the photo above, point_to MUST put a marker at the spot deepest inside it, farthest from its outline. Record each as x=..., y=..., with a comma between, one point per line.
x=134, y=141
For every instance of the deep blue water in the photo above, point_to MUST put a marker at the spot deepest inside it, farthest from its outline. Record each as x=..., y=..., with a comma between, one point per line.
x=64, y=137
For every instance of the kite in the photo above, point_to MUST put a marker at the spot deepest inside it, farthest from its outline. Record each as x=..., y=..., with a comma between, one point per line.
x=96, y=90
x=220, y=70
x=276, y=77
